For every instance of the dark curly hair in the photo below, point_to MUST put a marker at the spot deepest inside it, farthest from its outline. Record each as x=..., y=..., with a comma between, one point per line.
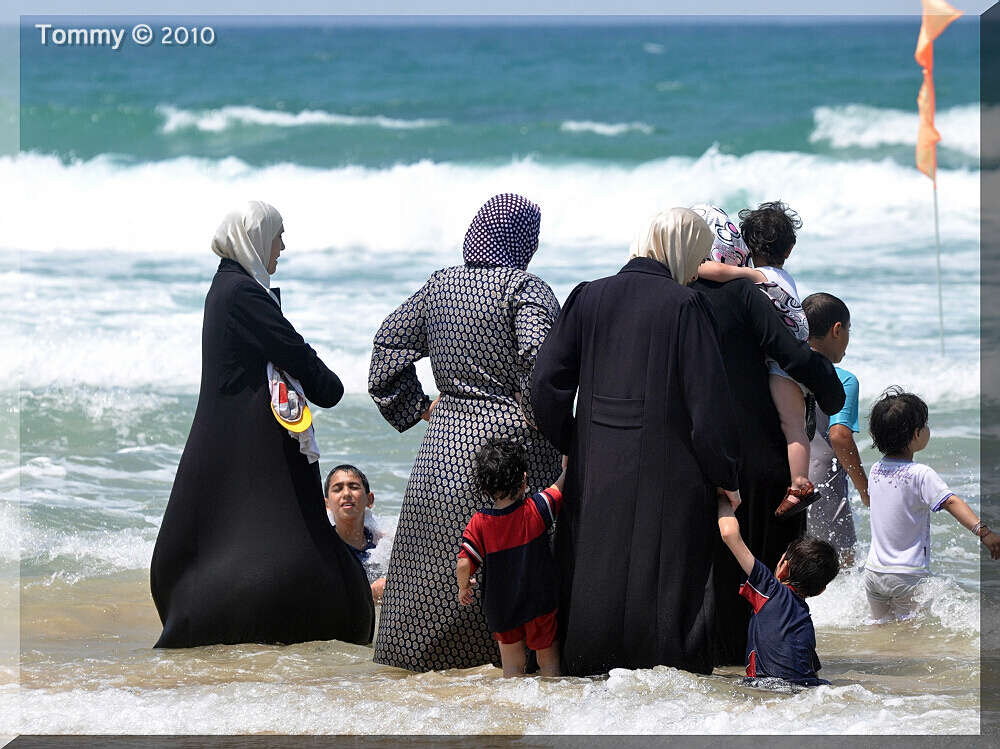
x=769, y=232
x=500, y=468
x=894, y=418
x=812, y=564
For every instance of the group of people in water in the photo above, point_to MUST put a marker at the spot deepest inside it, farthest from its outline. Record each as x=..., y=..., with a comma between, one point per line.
x=658, y=410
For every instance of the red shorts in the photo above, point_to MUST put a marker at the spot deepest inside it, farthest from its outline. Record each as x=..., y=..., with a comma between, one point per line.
x=538, y=634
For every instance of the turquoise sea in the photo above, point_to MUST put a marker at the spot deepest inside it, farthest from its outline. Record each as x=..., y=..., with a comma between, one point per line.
x=378, y=142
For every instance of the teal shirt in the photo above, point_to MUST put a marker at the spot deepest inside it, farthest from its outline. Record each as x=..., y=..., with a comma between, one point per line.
x=848, y=415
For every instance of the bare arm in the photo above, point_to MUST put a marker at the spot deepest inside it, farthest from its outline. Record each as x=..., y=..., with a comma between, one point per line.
x=729, y=527
x=842, y=439
x=464, y=571
x=964, y=515
x=562, y=476
x=722, y=272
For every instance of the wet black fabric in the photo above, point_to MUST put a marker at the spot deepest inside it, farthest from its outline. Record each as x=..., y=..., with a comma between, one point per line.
x=749, y=330
x=245, y=552
x=653, y=435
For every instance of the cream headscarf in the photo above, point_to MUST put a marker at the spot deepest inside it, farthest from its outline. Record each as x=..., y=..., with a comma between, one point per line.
x=677, y=237
x=246, y=235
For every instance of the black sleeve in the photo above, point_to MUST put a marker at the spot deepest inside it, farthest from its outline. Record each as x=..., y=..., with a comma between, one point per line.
x=557, y=376
x=706, y=392
x=258, y=321
x=803, y=364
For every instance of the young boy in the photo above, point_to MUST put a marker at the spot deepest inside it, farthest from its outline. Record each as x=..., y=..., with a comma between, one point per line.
x=348, y=495
x=781, y=641
x=903, y=495
x=510, y=541
x=769, y=234
x=833, y=452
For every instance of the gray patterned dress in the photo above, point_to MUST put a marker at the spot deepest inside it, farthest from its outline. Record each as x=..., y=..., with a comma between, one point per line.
x=481, y=328
x=481, y=325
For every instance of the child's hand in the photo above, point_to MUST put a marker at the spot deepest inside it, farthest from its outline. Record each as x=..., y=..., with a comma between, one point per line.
x=733, y=498
x=467, y=595
x=992, y=541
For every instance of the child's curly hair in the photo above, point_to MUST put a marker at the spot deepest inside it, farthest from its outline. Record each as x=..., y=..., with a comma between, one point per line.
x=769, y=232
x=500, y=468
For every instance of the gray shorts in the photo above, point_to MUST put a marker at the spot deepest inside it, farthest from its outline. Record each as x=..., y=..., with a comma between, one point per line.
x=892, y=594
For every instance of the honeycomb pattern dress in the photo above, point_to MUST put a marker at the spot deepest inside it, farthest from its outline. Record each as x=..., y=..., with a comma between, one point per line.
x=481, y=324
x=481, y=328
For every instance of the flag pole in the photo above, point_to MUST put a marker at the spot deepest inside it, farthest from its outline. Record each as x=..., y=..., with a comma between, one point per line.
x=937, y=14
x=937, y=246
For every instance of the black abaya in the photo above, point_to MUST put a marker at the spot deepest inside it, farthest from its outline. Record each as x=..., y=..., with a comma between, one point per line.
x=654, y=434
x=245, y=552
x=749, y=330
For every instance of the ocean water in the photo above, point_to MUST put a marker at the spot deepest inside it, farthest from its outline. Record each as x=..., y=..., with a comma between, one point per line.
x=378, y=145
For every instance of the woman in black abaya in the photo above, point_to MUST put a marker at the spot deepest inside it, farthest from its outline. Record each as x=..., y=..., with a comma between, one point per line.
x=652, y=438
x=245, y=552
x=750, y=331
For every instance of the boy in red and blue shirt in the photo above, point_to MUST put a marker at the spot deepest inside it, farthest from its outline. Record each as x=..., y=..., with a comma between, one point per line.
x=510, y=542
x=781, y=641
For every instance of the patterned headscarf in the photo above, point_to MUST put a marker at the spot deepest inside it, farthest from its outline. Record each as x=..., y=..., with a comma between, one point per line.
x=246, y=236
x=728, y=246
x=504, y=232
x=677, y=237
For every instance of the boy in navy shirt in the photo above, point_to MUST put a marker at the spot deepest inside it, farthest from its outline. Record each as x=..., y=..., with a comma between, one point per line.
x=510, y=542
x=781, y=641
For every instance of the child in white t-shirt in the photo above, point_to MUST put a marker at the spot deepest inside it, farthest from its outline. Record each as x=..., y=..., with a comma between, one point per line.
x=903, y=495
x=769, y=236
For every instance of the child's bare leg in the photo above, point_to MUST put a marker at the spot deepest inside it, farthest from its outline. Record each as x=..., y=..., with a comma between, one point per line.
x=548, y=660
x=791, y=405
x=512, y=657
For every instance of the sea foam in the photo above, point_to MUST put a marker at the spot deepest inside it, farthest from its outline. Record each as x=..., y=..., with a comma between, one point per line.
x=109, y=203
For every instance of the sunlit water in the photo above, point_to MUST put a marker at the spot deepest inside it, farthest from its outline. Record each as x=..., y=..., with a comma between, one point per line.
x=377, y=182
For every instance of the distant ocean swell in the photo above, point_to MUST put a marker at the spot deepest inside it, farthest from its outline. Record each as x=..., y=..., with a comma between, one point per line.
x=847, y=126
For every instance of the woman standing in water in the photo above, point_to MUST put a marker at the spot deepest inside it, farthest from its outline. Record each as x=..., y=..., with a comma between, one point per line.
x=651, y=439
x=481, y=324
x=245, y=552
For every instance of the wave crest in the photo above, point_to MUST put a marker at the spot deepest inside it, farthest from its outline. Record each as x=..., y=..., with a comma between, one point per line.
x=224, y=118
x=861, y=126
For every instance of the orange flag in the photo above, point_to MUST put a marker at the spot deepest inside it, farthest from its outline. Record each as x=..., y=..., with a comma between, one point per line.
x=937, y=15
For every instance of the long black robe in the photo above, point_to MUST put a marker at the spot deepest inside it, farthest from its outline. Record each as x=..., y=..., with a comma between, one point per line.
x=245, y=552
x=749, y=329
x=653, y=436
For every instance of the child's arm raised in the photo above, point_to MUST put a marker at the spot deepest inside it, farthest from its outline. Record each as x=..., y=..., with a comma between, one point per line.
x=964, y=515
x=721, y=272
x=842, y=439
x=562, y=476
x=729, y=527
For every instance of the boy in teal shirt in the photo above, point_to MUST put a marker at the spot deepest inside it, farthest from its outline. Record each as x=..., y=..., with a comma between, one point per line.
x=833, y=452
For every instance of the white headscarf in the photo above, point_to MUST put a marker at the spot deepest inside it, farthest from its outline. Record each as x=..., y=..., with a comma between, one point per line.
x=246, y=236
x=677, y=237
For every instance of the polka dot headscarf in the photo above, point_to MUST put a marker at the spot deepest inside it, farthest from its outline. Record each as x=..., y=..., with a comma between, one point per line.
x=504, y=232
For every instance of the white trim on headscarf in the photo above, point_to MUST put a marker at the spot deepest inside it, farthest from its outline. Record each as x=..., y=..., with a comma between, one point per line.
x=677, y=237
x=246, y=236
